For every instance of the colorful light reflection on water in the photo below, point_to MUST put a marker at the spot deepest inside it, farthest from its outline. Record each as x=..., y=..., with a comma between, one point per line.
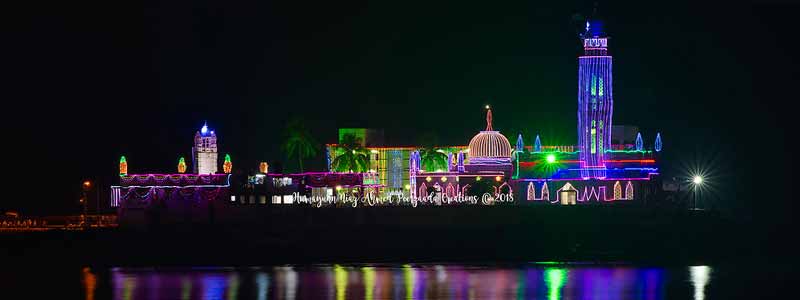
x=530, y=281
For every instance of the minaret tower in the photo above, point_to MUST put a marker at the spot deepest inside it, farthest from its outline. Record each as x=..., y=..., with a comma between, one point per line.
x=204, y=151
x=595, y=101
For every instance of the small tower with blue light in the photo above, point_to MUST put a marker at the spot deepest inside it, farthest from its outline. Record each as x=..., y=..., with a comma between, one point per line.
x=204, y=151
x=595, y=101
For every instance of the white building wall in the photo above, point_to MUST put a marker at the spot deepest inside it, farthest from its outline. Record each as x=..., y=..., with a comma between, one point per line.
x=206, y=162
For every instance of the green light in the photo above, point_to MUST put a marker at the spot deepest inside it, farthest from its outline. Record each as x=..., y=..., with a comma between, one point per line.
x=369, y=282
x=551, y=158
x=554, y=279
x=340, y=279
x=227, y=157
x=409, y=274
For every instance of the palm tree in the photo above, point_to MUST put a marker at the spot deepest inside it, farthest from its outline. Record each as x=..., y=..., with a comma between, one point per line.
x=433, y=159
x=298, y=141
x=353, y=157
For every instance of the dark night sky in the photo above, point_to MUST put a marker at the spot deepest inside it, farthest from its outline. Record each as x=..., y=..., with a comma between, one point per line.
x=89, y=81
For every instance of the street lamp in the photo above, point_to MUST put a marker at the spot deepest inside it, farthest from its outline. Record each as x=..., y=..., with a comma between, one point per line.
x=697, y=181
x=86, y=186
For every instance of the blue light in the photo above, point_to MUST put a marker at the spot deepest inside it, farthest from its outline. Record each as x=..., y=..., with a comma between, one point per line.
x=204, y=130
x=639, y=142
x=658, y=142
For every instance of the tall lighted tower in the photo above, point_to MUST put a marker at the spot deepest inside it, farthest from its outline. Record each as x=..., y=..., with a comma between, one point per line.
x=204, y=151
x=595, y=101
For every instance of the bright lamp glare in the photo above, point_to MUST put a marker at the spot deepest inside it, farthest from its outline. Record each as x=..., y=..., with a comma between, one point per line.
x=697, y=180
x=551, y=158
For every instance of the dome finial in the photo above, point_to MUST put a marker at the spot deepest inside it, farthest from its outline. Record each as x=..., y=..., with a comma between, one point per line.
x=488, y=118
x=204, y=129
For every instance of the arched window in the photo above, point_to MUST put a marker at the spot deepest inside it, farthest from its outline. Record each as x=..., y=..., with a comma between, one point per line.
x=450, y=191
x=629, y=191
x=531, y=191
x=618, y=191
x=423, y=191
x=545, y=192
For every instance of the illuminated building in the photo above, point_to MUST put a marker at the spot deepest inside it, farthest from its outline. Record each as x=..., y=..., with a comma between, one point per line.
x=608, y=164
x=487, y=157
x=390, y=163
x=601, y=169
x=204, y=151
x=137, y=194
x=595, y=101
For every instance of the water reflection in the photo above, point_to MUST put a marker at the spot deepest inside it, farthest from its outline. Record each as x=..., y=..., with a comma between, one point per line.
x=262, y=285
x=529, y=281
x=89, y=282
x=699, y=276
x=554, y=279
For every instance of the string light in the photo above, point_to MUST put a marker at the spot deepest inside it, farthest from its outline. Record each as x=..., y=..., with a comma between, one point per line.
x=595, y=106
x=489, y=144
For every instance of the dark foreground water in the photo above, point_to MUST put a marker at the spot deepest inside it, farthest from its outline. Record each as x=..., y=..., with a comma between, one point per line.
x=410, y=281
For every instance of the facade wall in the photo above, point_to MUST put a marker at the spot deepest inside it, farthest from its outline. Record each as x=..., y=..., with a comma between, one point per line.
x=206, y=162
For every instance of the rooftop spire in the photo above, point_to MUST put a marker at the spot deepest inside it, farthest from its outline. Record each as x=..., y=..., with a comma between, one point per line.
x=488, y=118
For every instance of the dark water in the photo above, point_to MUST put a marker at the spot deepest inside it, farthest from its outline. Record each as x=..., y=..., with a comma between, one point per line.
x=429, y=281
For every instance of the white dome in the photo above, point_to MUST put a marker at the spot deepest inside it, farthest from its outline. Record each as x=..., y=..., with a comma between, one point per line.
x=489, y=143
